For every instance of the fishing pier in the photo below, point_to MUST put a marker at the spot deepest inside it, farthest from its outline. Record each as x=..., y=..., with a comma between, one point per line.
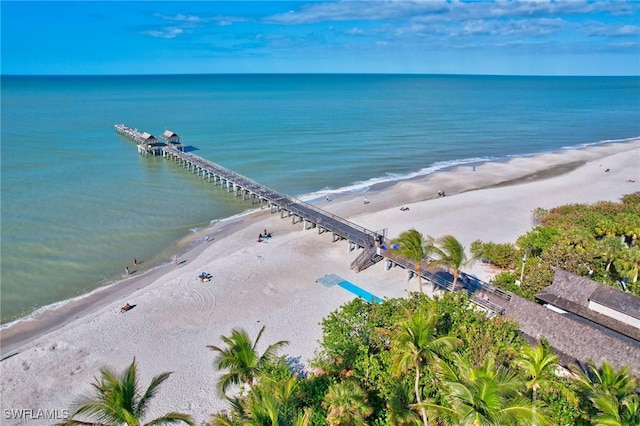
x=372, y=242
x=149, y=144
x=308, y=214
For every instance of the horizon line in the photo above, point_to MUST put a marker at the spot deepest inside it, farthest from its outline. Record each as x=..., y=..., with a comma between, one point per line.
x=317, y=73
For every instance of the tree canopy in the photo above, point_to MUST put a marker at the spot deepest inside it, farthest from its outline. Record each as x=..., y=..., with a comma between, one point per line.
x=418, y=360
x=599, y=241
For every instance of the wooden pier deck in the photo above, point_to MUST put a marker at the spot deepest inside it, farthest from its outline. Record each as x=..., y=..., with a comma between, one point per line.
x=310, y=215
x=357, y=236
x=315, y=217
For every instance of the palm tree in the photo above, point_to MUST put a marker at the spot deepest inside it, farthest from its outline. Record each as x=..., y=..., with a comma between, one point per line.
x=237, y=411
x=580, y=239
x=346, y=404
x=417, y=343
x=628, y=265
x=261, y=408
x=118, y=401
x=398, y=411
x=241, y=358
x=615, y=413
x=612, y=392
x=416, y=248
x=272, y=403
x=538, y=365
x=607, y=227
x=451, y=256
x=630, y=228
x=486, y=395
x=610, y=248
x=605, y=379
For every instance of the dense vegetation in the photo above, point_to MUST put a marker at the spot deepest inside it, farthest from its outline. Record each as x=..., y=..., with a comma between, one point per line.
x=424, y=361
x=598, y=241
x=411, y=361
x=419, y=361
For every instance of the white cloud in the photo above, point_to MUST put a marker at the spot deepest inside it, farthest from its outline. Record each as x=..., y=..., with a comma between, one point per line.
x=355, y=31
x=442, y=10
x=180, y=18
x=164, y=32
x=592, y=28
x=357, y=11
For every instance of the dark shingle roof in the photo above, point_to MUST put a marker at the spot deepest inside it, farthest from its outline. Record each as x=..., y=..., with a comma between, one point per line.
x=571, y=287
x=572, y=293
x=618, y=300
x=578, y=339
x=591, y=315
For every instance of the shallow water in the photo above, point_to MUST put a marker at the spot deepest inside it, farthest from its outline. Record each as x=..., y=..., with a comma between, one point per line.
x=78, y=204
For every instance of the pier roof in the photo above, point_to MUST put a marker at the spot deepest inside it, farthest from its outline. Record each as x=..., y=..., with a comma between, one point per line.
x=148, y=137
x=169, y=134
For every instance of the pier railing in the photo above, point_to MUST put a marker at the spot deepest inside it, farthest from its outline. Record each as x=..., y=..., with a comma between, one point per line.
x=326, y=220
x=473, y=289
x=323, y=219
x=424, y=271
x=345, y=229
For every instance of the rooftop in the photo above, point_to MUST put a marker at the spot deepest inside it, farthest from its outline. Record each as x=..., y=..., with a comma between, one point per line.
x=581, y=333
x=572, y=293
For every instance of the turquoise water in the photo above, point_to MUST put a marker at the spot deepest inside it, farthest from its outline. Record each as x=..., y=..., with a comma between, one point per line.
x=78, y=203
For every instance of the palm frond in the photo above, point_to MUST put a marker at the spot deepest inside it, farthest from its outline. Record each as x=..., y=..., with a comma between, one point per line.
x=151, y=391
x=117, y=400
x=172, y=418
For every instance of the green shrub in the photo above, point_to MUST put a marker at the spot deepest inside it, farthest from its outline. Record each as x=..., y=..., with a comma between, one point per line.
x=501, y=255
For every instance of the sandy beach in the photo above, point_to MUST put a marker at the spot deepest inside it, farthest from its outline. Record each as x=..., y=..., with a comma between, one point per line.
x=273, y=283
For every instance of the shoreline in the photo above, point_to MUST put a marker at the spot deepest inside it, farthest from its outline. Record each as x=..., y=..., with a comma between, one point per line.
x=274, y=283
x=191, y=241
x=17, y=333
x=20, y=332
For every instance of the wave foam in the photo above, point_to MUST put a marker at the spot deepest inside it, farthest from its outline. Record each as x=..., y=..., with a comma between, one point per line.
x=361, y=187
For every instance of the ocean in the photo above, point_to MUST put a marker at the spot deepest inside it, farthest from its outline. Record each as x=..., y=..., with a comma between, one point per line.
x=78, y=203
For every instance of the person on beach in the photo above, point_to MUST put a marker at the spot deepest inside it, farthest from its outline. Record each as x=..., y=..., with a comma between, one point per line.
x=135, y=262
x=366, y=201
x=126, y=270
x=126, y=307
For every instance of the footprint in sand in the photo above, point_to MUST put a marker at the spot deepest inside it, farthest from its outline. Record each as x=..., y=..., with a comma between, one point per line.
x=200, y=296
x=268, y=290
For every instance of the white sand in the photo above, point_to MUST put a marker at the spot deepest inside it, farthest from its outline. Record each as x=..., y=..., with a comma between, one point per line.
x=273, y=283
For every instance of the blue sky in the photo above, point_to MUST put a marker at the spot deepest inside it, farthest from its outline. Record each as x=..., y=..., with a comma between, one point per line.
x=568, y=37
